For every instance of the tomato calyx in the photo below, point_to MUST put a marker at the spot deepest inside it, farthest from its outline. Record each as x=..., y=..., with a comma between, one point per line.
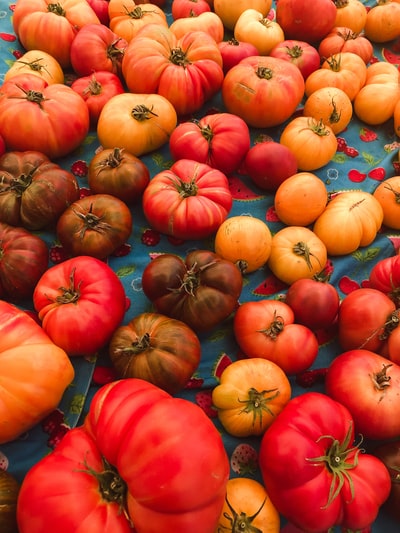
x=233, y=42
x=294, y=52
x=318, y=127
x=191, y=280
x=19, y=184
x=34, y=65
x=178, y=57
x=257, y=403
x=336, y=461
x=206, y=130
x=186, y=188
x=94, y=87
x=70, y=294
x=35, y=97
x=57, y=9
x=113, y=160
x=139, y=345
x=91, y=222
x=395, y=193
x=137, y=12
x=341, y=3
x=275, y=328
x=142, y=113
x=114, y=53
x=264, y=73
x=303, y=250
x=241, y=523
x=380, y=379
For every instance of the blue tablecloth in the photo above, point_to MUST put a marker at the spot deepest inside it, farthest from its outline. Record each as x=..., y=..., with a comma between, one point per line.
x=373, y=157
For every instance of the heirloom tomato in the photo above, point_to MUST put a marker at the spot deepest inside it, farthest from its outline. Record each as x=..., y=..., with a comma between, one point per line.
x=296, y=252
x=100, y=7
x=383, y=21
x=157, y=348
x=34, y=191
x=220, y=140
x=189, y=201
x=23, y=259
x=186, y=71
x=264, y=91
x=43, y=25
x=176, y=482
x=385, y=277
x=40, y=64
x=350, y=14
x=208, y=22
x=139, y=123
x=266, y=329
x=97, y=89
x=388, y=193
x=335, y=481
x=117, y=172
x=330, y=105
x=94, y=225
x=384, y=94
x=233, y=51
x=56, y=113
x=253, y=27
x=343, y=39
x=300, y=53
x=202, y=289
x=229, y=12
x=188, y=8
x=34, y=373
x=80, y=303
x=250, y=395
x=368, y=385
x=389, y=454
x=127, y=18
x=248, y=508
x=97, y=48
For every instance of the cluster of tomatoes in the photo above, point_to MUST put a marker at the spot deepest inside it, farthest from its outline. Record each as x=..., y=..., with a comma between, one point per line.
x=122, y=69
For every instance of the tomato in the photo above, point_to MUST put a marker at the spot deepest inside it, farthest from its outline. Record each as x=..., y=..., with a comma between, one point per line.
x=202, y=289
x=331, y=105
x=296, y=252
x=80, y=302
x=34, y=191
x=188, y=8
x=229, y=12
x=32, y=387
x=94, y=225
x=343, y=39
x=117, y=172
x=387, y=194
x=367, y=384
x=315, y=303
x=156, y=348
x=253, y=27
x=208, y=22
x=131, y=18
x=300, y=53
x=233, y=51
x=305, y=21
x=383, y=22
x=365, y=319
x=39, y=63
x=179, y=486
x=187, y=71
x=97, y=48
x=335, y=483
x=23, y=259
x=221, y=140
x=138, y=123
x=262, y=90
x=97, y=89
x=41, y=25
x=247, y=505
x=389, y=454
x=385, y=277
x=266, y=329
x=188, y=201
x=351, y=14
x=250, y=395
x=56, y=113
x=100, y=7
x=269, y=163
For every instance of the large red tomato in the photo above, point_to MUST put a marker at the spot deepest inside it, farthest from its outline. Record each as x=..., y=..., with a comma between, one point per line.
x=202, y=290
x=314, y=473
x=56, y=114
x=80, y=303
x=189, y=201
x=143, y=461
x=220, y=140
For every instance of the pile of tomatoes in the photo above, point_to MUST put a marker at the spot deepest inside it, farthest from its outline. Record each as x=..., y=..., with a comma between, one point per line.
x=138, y=76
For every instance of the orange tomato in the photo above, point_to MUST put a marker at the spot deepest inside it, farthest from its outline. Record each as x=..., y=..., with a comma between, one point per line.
x=383, y=21
x=388, y=195
x=208, y=22
x=229, y=11
x=344, y=39
x=244, y=240
x=255, y=28
x=40, y=64
x=127, y=18
x=351, y=14
x=331, y=105
x=300, y=199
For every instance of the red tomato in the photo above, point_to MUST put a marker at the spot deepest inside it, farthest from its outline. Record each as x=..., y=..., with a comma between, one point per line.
x=233, y=51
x=97, y=48
x=334, y=482
x=300, y=53
x=220, y=140
x=385, y=277
x=269, y=163
x=178, y=486
x=266, y=329
x=56, y=113
x=202, y=290
x=368, y=385
x=188, y=201
x=97, y=89
x=80, y=302
x=188, y=8
x=314, y=303
x=100, y=7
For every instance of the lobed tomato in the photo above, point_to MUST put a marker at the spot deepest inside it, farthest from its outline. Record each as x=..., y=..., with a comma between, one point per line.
x=300, y=53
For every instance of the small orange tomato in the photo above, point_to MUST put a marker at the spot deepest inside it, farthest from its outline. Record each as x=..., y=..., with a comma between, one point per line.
x=375, y=103
x=207, y=21
x=331, y=105
x=344, y=39
x=351, y=13
x=311, y=141
x=388, y=195
x=250, y=395
x=300, y=199
x=40, y=64
x=383, y=21
x=248, y=508
x=229, y=11
x=127, y=18
x=296, y=252
x=255, y=28
x=244, y=240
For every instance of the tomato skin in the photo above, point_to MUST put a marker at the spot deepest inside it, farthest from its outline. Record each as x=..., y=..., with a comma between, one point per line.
x=304, y=432
x=202, y=290
x=385, y=277
x=71, y=298
x=220, y=140
x=188, y=8
x=100, y=7
x=367, y=384
x=233, y=51
x=187, y=201
x=300, y=53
